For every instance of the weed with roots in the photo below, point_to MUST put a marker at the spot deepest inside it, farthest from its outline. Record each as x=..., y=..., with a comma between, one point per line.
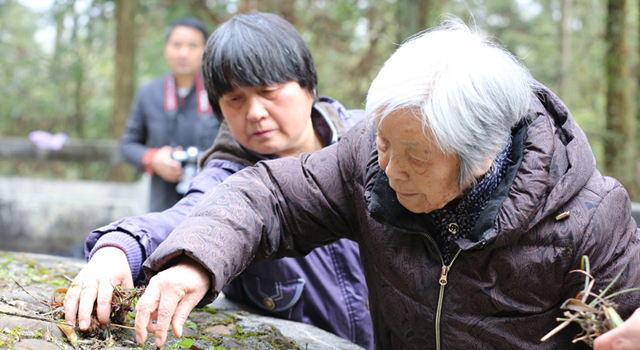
x=595, y=313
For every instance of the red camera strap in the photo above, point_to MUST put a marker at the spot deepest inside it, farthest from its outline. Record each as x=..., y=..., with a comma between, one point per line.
x=171, y=100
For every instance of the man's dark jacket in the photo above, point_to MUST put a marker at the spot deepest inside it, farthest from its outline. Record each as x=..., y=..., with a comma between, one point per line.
x=150, y=126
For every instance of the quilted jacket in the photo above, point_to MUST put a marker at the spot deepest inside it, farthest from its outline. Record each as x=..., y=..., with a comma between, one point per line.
x=509, y=276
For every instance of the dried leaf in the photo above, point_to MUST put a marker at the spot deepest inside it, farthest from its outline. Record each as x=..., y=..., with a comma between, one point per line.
x=70, y=332
x=577, y=305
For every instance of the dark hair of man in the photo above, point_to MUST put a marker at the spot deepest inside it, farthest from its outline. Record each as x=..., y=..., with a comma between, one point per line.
x=188, y=22
x=255, y=49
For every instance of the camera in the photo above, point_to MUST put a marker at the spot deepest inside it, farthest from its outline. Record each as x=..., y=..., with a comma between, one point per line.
x=189, y=160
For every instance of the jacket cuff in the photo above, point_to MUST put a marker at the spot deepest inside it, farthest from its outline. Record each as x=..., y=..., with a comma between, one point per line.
x=128, y=244
x=147, y=160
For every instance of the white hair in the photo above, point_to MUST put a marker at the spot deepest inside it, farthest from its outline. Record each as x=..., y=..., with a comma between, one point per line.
x=467, y=91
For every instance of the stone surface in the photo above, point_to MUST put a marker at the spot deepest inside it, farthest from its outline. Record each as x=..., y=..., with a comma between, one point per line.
x=223, y=323
x=34, y=344
x=12, y=322
x=53, y=216
x=219, y=329
x=305, y=336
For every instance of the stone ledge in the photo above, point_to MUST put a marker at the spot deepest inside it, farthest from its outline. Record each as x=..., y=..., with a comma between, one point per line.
x=41, y=275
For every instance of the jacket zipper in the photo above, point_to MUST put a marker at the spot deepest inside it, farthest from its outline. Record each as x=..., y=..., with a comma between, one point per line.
x=443, y=283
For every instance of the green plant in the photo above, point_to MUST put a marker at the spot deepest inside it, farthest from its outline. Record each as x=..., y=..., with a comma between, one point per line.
x=595, y=313
x=123, y=303
x=183, y=344
x=191, y=324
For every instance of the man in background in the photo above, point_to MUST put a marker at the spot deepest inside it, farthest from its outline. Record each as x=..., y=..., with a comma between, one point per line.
x=171, y=115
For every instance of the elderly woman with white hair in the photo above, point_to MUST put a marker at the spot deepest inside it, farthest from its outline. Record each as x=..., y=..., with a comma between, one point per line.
x=471, y=191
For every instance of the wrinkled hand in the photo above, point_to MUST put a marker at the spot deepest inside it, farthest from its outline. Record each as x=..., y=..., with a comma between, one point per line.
x=166, y=167
x=624, y=337
x=107, y=268
x=169, y=298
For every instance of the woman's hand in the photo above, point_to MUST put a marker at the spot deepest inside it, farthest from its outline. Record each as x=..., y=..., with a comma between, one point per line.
x=107, y=268
x=624, y=337
x=169, y=298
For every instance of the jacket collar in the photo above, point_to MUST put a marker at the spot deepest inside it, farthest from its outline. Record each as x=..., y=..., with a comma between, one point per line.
x=384, y=206
x=551, y=163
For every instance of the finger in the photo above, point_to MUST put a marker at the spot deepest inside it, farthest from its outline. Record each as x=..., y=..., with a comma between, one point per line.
x=103, y=308
x=614, y=339
x=151, y=326
x=166, y=310
x=176, y=167
x=180, y=317
x=147, y=304
x=601, y=343
x=87, y=299
x=71, y=301
x=127, y=283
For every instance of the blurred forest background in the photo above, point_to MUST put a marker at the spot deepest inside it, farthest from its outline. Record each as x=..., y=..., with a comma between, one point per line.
x=73, y=66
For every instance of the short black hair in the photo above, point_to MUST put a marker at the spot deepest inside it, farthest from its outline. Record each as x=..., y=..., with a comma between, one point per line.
x=188, y=22
x=255, y=49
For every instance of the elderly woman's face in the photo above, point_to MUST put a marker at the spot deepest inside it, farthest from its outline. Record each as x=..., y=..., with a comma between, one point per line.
x=423, y=177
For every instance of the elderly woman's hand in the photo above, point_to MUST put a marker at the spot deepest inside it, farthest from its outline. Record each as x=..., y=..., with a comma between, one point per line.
x=169, y=298
x=107, y=268
x=625, y=337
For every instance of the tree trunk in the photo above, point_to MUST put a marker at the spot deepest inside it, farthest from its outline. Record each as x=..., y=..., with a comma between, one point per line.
x=287, y=8
x=284, y=8
x=565, y=47
x=414, y=16
x=124, y=88
x=78, y=117
x=124, y=82
x=619, y=141
x=60, y=9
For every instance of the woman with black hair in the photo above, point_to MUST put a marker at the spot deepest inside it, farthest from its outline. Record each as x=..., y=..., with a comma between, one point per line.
x=260, y=78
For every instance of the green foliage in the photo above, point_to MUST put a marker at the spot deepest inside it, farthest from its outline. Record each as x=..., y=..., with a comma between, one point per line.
x=206, y=308
x=183, y=344
x=8, y=260
x=65, y=83
x=52, y=80
x=191, y=324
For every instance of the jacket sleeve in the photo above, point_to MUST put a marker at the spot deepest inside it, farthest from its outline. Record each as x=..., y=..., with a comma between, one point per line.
x=612, y=244
x=277, y=208
x=354, y=117
x=139, y=236
x=134, y=138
